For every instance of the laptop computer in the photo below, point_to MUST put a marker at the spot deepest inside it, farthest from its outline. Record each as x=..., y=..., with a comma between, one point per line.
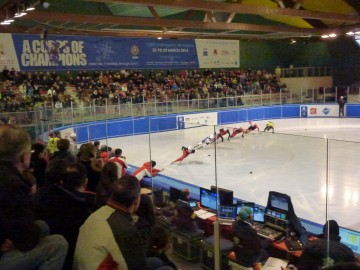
x=227, y=214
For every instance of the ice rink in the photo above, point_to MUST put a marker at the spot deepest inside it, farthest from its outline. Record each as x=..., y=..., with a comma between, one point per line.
x=296, y=160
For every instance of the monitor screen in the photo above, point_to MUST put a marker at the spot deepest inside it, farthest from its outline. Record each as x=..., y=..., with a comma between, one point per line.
x=350, y=238
x=279, y=201
x=227, y=212
x=208, y=198
x=241, y=205
x=175, y=194
x=259, y=213
x=226, y=196
x=193, y=204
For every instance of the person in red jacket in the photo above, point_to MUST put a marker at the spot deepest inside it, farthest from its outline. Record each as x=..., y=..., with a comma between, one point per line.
x=147, y=169
x=186, y=151
x=120, y=162
x=236, y=131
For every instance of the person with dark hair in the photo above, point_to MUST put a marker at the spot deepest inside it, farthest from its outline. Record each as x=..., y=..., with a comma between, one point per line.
x=248, y=247
x=109, y=175
x=145, y=216
x=315, y=254
x=120, y=162
x=86, y=156
x=185, y=217
x=186, y=152
x=109, y=236
x=97, y=147
x=38, y=163
x=147, y=169
x=64, y=205
x=159, y=244
x=64, y=151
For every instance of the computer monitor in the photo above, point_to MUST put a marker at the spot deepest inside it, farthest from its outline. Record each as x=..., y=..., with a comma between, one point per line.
x=227, y=212
x=279, y=201
x=242, y=204
x=258, y=213
x=350, y=238
x=226, y=196
x=175, y=194
x=208, y=199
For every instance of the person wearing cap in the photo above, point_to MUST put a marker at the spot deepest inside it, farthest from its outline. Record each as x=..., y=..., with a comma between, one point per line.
x=249, y=248
x=315, y=254
x=341, y=103
x=185, y=152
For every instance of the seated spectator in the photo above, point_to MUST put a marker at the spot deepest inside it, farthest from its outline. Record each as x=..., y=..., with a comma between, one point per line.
x=64, y=151
x=109, y=175
x=108, y=237
x=316, y=251
x=65, y=207
x=98, y=151
x=86, y=156
x=38, y=163
x=145, y=216
x=249, y=248
x=159, y=244
x=15, y=153
x=185, y=217
x=22, y=243
x=120, y=162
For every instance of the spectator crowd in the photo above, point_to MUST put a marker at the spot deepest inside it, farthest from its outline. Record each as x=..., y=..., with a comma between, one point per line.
x=21, y=91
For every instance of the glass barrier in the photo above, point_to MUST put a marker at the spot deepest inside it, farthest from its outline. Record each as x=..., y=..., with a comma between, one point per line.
x=305, y=163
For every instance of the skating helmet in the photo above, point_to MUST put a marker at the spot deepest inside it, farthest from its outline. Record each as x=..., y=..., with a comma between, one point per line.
x=190, y=148
x=73, y=135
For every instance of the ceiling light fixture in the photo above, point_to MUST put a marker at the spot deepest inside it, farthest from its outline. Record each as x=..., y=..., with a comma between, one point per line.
x=332, y=35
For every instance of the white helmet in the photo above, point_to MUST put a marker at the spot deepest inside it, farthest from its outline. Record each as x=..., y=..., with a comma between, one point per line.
x=73, y=135
x=190, y=147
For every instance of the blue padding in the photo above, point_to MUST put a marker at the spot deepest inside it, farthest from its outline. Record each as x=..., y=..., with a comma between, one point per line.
x=352, y=110
x=291, y=111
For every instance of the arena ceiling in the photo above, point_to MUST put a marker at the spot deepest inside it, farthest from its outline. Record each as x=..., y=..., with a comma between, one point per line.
x=231, y=19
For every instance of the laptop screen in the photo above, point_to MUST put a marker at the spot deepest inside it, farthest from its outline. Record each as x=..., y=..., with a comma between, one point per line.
x=350, y=238
x=258, y=214
x=193, y=204
x=227, y=212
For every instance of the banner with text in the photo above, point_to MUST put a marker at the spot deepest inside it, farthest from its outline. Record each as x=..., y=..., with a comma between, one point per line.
x=57, y=52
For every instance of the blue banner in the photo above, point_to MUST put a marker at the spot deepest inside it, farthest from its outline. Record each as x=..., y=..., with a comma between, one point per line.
x=102, y=53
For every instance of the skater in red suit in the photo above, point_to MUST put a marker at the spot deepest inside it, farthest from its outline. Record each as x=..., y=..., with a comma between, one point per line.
x=236, y=131
x=252, y=127
x=221, y=132
x=186, y=151
x=147, y=169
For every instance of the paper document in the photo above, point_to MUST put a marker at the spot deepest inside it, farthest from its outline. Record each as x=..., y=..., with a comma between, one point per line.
x=274, y=263
x=207, y=215
x=200, y=212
